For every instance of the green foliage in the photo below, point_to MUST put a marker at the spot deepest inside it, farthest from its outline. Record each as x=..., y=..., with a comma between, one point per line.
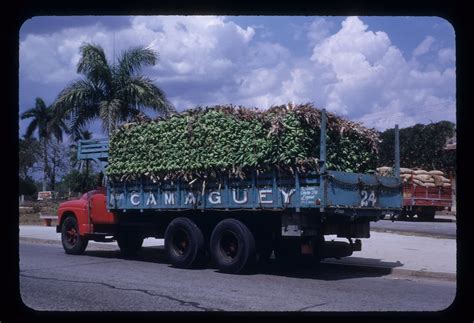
x=234, y=141
x=45, y=121
x=49, y=125
x=26, y=186
x=29, y=152
x=76, y=181
x=420, y=146
x=111, y=92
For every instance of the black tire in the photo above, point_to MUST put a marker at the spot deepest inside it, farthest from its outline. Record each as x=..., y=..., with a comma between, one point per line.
x=403, y=216
x=73, y=242
x=427, y=214
x=129, y=243
x=232, y=246
x=184, y=243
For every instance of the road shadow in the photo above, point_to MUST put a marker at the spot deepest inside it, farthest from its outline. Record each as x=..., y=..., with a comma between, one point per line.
x=146, y=254
x=331, y=270
x=416, y=219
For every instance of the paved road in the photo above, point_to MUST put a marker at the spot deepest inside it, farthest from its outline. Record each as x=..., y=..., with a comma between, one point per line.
x=102, y=280
x=441, y=229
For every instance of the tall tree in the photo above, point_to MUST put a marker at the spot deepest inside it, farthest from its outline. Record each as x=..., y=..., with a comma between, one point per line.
x=112, y=92
x=420, y=146
x=57, y=153
x=49, y=125
x=28, y=153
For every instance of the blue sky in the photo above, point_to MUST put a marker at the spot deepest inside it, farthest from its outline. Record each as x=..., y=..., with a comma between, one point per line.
x=376, y=70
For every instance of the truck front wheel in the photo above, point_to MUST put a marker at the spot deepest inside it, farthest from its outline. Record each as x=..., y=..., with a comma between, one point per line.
x=72, y=241
x=232, y=246
x=184, y=243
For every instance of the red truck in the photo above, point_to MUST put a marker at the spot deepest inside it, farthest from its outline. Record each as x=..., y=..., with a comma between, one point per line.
x=424, y=201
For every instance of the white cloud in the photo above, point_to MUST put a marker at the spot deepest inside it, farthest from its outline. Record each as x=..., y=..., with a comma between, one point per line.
x=375, y=83
x=52, y=58
x=318, y=30
x=446, y=55
x=196, y=46
x=424, y=47
x=207, y=60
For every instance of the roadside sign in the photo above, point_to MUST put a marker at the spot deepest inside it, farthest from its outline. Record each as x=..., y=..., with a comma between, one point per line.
x=45, y=195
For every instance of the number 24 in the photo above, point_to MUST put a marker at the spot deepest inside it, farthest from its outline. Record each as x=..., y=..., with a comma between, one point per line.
x=368, y=199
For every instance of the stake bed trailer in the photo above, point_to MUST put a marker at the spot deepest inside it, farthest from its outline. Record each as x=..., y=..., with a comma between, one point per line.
x=424, y=201
x=236, y=221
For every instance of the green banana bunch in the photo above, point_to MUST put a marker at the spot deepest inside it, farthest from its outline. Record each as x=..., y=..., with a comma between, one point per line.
x=234, y=141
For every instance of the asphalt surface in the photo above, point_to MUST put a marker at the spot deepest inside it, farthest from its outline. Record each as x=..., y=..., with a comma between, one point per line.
x=401, y=253
x=101, y=280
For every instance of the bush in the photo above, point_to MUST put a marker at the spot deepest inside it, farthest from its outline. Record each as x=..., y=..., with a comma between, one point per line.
x=79, y=182
x=421, y=146
x=27, y=187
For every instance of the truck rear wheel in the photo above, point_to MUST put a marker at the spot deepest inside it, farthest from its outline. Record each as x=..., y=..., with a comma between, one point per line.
x=72, y=241
x=427, y=213
x=129, y=243
x=232, y=246
x=184, y=243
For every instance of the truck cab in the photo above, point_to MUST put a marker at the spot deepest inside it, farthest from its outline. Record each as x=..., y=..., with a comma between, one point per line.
x=82, y=215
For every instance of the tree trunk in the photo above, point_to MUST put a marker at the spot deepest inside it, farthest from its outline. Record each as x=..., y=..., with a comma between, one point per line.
x=53, y=176
x=45, y=166
x=87, y=169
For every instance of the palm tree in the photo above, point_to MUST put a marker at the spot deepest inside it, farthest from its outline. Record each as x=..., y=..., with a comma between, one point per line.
x=49, y=125
x=111, y=92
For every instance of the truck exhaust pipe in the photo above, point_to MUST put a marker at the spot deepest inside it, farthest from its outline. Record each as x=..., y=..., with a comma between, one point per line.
x=339, y=249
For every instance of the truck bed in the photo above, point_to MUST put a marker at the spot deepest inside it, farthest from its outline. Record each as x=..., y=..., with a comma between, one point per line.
x=415, y=195
x=271, y=191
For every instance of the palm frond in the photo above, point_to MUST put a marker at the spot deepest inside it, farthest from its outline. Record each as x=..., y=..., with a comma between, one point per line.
x=132, y=60
x=93, y=64
x=109, y=112
x=57, y=126
x=31, y=128
x=81, y=117
x=76, y=95
x=31, y=113
x=144, y=93
x=39, y=104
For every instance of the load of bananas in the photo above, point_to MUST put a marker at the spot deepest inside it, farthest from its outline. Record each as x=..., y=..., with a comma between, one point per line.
x=210, y=142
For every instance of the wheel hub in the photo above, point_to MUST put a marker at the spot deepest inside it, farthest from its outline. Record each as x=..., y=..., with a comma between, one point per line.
x=180, y=242
x=71, y=235
x=229, y=245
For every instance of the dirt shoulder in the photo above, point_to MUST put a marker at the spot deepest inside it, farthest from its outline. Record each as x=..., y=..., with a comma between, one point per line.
x=30, y=211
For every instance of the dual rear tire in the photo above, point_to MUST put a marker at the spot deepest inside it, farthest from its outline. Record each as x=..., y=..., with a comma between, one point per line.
x=231, y=245
x=184, y=243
